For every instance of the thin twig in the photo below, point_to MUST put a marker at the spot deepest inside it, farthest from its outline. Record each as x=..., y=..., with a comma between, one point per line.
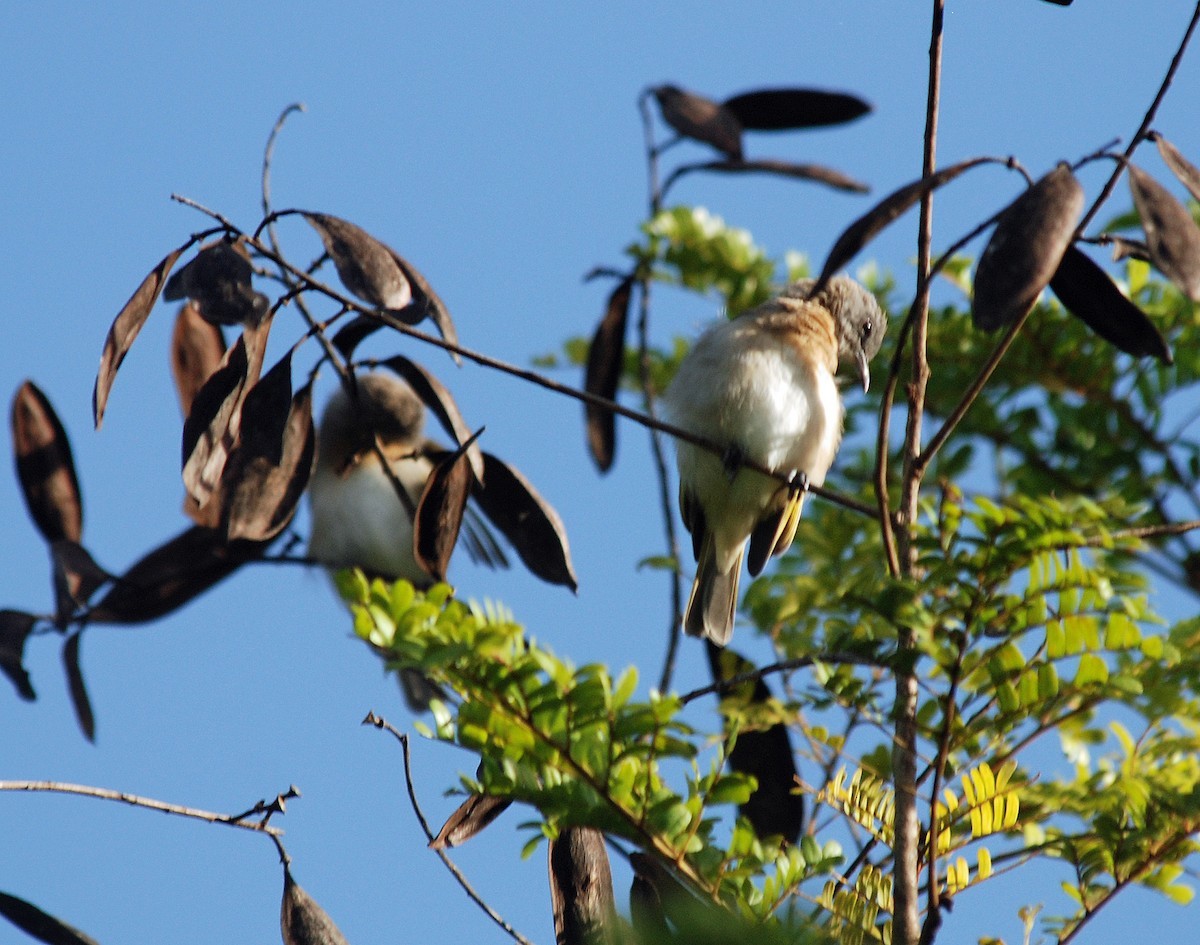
x=149, y=803
x=657, y=452
x=906, y=927
x=383, y=724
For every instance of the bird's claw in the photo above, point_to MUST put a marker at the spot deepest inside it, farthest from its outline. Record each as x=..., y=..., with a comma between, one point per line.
x=798, y=481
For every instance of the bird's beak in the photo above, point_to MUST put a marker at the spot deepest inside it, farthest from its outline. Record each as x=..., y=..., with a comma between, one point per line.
x=864, y=369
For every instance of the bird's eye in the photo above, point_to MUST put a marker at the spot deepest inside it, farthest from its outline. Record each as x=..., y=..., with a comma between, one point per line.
x=867, y=327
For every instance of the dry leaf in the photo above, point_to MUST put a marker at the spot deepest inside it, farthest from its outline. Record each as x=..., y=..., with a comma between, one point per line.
x=437, y=397
x=469, y=818
x=1181, y=167
x=197, y=348
x=1025, y=249
x=813, y=172
x=700, y=119
x=606, y=357
x=125, y=328
x=365, y=265
x=45, y=467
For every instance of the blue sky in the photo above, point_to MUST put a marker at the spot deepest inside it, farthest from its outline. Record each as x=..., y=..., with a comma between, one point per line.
x=499, y=149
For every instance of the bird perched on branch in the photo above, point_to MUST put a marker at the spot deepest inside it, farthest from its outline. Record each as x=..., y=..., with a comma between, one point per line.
x=359, y=519
x=761, y=386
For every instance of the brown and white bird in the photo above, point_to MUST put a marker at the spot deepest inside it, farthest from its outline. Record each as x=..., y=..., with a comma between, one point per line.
x=762, y=386
x=358, y=520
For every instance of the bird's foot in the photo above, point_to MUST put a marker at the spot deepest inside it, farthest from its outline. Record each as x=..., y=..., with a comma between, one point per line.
x=798, y=481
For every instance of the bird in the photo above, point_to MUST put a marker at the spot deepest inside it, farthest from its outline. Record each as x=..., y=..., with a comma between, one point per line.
x=358, y=518
x=762, y=387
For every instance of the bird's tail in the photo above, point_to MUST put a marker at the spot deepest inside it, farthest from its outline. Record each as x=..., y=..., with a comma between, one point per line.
x=713, y=600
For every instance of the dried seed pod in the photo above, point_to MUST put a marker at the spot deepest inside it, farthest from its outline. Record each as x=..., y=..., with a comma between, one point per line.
x=606, y=357
x=581, y=889
x=1025, y=249
x=219, y=282
x=781, y=109
x=302, y=921
x=700, y=119
x=45, y=467
x=1171, y=234
x=1087, y=292
x=868, y=226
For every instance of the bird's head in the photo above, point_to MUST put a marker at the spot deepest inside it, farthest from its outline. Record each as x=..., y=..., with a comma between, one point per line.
x=385, y=406
x=859, y=320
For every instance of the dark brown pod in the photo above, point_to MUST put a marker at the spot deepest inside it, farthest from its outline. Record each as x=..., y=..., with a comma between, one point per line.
x=782, y=109
x=45, y=467
x=440, y=513
x=859, y=233
x=172, y=575
x=76, y=576
x=1025, y=249
x=527, y=520
x=302, y=921
x=1171, y=234
x=41, y=925
x=774, y=809
x=15, y=628
x=219, y=282
x=700, y=119
x=76, y=686
x=606, y=357
x=364, y=264
x=265, y=477
x=1087, y=292
x=581, y=889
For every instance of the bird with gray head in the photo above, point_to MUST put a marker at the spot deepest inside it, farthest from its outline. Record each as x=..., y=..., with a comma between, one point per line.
x=761, y=386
